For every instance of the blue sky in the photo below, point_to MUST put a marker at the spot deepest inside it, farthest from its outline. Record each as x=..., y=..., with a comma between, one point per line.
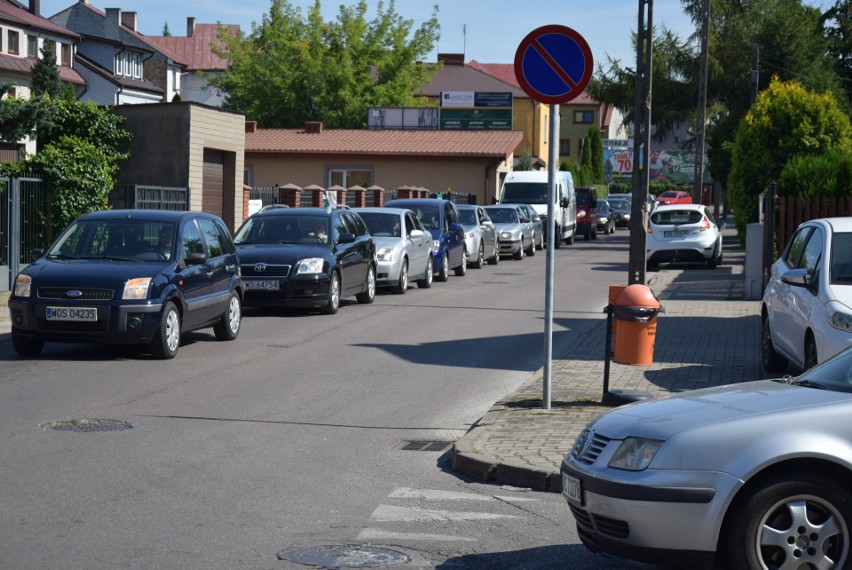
x=495, y=28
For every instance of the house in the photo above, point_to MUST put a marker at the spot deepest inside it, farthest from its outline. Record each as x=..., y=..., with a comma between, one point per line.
x=469, y=162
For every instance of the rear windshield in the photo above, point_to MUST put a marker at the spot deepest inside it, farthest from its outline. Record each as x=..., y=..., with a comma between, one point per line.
x=677, y=217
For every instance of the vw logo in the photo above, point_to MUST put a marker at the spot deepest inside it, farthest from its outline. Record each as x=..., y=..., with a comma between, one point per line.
x=260, y=268
x=582, y=443
x=74, y=293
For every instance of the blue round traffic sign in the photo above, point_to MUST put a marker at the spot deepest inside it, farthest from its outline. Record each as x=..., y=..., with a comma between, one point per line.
x=553, y=64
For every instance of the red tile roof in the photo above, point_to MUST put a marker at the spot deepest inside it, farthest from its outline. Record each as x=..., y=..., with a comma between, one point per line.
x=195, y=51
x=479, y=144
x=466, y=78
x=12, y=12
x=25, y=65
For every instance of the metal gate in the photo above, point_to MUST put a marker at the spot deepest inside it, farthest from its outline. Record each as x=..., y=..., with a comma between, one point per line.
x=22, y=224
x=137, y=196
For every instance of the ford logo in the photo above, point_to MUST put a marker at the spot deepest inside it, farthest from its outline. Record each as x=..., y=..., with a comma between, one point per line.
x=260, y=268
x=74, y=293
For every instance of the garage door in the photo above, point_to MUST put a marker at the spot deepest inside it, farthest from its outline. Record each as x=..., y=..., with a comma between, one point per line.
x=214, y=174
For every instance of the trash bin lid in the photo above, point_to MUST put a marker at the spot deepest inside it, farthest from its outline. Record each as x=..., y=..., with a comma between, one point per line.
x=637, y=295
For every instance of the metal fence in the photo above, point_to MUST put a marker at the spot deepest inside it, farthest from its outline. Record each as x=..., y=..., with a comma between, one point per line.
x=23, y=226
x=137, y=196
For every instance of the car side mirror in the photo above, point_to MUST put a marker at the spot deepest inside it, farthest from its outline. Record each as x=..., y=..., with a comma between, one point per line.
x=196, y=258
x=799, y=278
x=457, y=228
x=416, y=234
x=346, y=237
x=565, y=202
x=37, y=253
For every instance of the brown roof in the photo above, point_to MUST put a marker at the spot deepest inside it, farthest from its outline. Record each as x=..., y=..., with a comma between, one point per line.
x=466, y=78
x=195, y=50
x=25, y=65
x=482, y=144
x=12, y=12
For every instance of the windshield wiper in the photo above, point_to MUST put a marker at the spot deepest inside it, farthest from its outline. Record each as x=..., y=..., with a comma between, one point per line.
x=810, y=384
x=109, y=258
x=62, y=256
x=786, y=379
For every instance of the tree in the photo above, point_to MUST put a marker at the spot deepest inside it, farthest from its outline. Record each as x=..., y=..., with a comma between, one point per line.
x=20, y=118
x=293, y=68
x=786, y=121
x=46, y=80
x=837, y=26
x=166, y=31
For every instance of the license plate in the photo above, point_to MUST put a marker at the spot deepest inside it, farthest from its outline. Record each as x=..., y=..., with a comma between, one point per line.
x=265, y=285
x=71, y=314
x=572, y=488
x=678, y=233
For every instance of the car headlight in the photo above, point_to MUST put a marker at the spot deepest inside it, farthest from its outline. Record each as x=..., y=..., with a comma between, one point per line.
x=310, y=266
x=839, y=316
x=385, y=254
x=505, y=235
x=436, y=245
x=23, y=286
x=469, y=235
x=136, y=288
x=635, y=453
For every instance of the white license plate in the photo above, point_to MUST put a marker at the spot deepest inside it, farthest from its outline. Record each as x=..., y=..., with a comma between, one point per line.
x=265, y=285
x=85, y=314
x=679, y=233
x=572, y=488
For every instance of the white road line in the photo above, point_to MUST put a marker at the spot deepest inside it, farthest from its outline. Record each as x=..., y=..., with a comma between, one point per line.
x=432, y=495
x=395, y=514
x=377, y=534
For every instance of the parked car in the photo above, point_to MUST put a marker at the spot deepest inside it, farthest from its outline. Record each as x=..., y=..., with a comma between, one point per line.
x=683, y=233
x=606, y=222
x=516, y=237
x=307, y=258
x=807, y=303
x=587, y=211
x=480, y=236
x=674, y=197
x=441, y=218
x=122, y=277
x=621, y=210
x=748, y=475
x=403, y=247
x=537, y=224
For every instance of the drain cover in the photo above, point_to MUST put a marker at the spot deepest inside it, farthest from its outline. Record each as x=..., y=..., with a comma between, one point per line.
x=343, y=556
x=86, y=425
x=425, y=445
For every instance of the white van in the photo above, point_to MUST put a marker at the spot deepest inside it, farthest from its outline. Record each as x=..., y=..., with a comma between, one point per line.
x=530, y=187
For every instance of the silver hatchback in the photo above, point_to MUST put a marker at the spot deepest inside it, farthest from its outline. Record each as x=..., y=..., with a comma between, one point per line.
x=480, y=236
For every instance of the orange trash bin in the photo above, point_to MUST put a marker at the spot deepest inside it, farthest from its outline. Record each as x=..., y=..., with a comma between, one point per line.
x=635, y=309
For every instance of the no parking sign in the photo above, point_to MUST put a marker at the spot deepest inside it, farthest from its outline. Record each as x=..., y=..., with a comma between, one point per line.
x=553, y=64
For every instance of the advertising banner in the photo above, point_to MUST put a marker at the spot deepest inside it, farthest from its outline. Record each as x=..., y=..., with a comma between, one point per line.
x=666, y=165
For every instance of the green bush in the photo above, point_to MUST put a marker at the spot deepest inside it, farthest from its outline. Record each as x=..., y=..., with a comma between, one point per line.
x=826, y=175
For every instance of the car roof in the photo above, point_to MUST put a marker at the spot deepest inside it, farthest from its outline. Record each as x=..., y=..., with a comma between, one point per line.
x=381, y=210
x=140, y=214
x=416, y=201
x=838, y=224
x=669, y=207
x=297, y=212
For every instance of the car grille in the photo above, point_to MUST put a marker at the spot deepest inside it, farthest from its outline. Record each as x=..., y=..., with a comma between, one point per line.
x=85, y=294
x=269, y=270
x=591, y=525
x=589, y=446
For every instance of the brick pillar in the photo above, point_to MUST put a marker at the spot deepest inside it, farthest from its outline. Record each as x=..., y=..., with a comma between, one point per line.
x=404, y=192
x=378, y=195
x=290, y=195
x=360, y=195
x=246, y=196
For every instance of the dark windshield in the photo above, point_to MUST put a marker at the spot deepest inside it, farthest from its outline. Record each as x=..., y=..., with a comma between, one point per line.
x=841, y=258
x=468, y=217
x=381, y=225
x=503, y=215
x=117, y=240
x=525, y=193
x=284, y=229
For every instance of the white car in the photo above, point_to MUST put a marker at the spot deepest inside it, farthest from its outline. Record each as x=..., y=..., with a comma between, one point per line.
x=683, y=233
x=807, y=304
x=480, y=236
x=403, y=247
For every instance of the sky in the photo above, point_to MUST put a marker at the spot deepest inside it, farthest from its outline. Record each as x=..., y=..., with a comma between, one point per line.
x=488, y=31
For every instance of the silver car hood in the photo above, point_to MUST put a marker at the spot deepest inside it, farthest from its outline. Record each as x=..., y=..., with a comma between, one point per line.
x=665, y=417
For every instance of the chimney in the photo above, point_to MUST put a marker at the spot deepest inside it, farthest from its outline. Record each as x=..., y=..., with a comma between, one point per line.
x=451, y=58
x=251, y=126
x=128, y=20
x=313, y=127
x=35, y=7
x=190, y=26
x=113, y=19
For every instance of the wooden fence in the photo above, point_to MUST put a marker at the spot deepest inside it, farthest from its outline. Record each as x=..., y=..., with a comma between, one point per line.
x=791, y=211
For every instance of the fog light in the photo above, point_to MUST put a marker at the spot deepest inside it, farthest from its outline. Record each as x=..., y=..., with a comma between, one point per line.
x=18, y=318
x=134, y=322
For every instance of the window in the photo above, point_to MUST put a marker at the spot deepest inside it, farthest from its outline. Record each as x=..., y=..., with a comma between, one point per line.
x=584, y=117
x=14, y=39
x=191, y=240
x=128, y=64
x=212, y=237
x=564, y=147
x=349, y=177
x=32, y=46
x=66, y=54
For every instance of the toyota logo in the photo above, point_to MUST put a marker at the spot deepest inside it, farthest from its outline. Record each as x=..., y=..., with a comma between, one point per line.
x=74, y=293
x=260, y=268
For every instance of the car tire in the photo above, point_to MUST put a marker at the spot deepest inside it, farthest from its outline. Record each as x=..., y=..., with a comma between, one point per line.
x=229, y=326
x=799, y=510
x=402, y=284
x=332, y=303
x=557, y=243
x=519, y=254
x=811, y=357
x=166, y=341
x=769, y=357
x=713, y=262
x=531, y=251
x=369, y=294
x=26, y=346
x=570, y=240
x=426, y=281
x=480, y=257
x=540, y=245
x=444, y=273
x=461, y=270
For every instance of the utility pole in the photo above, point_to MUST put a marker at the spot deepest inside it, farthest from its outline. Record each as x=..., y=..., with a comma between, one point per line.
x=702, y=109
x=641, y=143
x=755, y=72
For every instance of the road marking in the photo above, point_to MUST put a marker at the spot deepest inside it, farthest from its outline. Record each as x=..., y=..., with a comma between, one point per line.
x=377, y=534
x=409, y=514
x=432, y=495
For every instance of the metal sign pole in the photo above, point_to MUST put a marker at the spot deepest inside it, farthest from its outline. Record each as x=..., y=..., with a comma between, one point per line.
x=553, y=158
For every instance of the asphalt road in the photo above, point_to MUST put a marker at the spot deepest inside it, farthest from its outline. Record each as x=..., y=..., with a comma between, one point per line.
x=306, y=433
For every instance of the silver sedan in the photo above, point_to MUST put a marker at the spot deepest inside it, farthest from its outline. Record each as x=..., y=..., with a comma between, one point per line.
x=480, y=236
x=515, y=235
x=403, y=247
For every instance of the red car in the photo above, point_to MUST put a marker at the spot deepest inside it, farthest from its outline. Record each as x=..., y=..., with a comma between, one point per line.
x=674, y=197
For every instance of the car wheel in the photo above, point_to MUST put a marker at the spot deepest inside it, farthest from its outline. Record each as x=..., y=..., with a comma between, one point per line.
x=795, y=520
x=570, y=240
x=426, y=282
x=166, y=340
x=811, y=359
x=519, y=254
x=229, y=326
x=480, y=257
x=462, y=269
x=369, y=294
x=26, y=346
x=771, y=360
x=530, y=252
x=402, y=285
x=714, y=259
x=557, y=243
x=332, y=304
x=496, y=258
x=444, y=273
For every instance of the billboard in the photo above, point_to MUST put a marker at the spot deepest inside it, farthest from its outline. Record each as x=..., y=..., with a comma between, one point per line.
x=666, y=165
x=476, y=111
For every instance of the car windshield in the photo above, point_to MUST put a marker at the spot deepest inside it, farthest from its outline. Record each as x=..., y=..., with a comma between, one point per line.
x=430, y=216
x=116, y=240
x=668, y=194
x=676, y=217
x=504, y=215
x=382, y=225
x=619, y=204
x=468, y=217
x=525, y=193
x=833, y=374
x=841, y=258
x=278, y=229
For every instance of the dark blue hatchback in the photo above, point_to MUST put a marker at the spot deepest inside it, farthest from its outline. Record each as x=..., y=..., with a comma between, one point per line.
x=130, y=277
x=442, y=219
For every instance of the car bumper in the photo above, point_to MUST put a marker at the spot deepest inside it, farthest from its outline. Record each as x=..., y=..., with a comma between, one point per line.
x=692, y=251
x=651, y=516
x=508, y=247
x=622, y=220
x=387, y=272
x=299, y=293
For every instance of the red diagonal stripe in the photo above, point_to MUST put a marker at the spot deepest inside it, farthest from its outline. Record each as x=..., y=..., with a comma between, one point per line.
x=553, y=64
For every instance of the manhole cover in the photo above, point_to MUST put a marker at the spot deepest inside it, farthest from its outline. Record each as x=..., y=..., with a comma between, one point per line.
x=86, y=425
x=343, y=556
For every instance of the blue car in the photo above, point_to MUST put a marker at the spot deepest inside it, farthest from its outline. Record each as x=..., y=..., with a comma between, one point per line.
x=442, y=219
